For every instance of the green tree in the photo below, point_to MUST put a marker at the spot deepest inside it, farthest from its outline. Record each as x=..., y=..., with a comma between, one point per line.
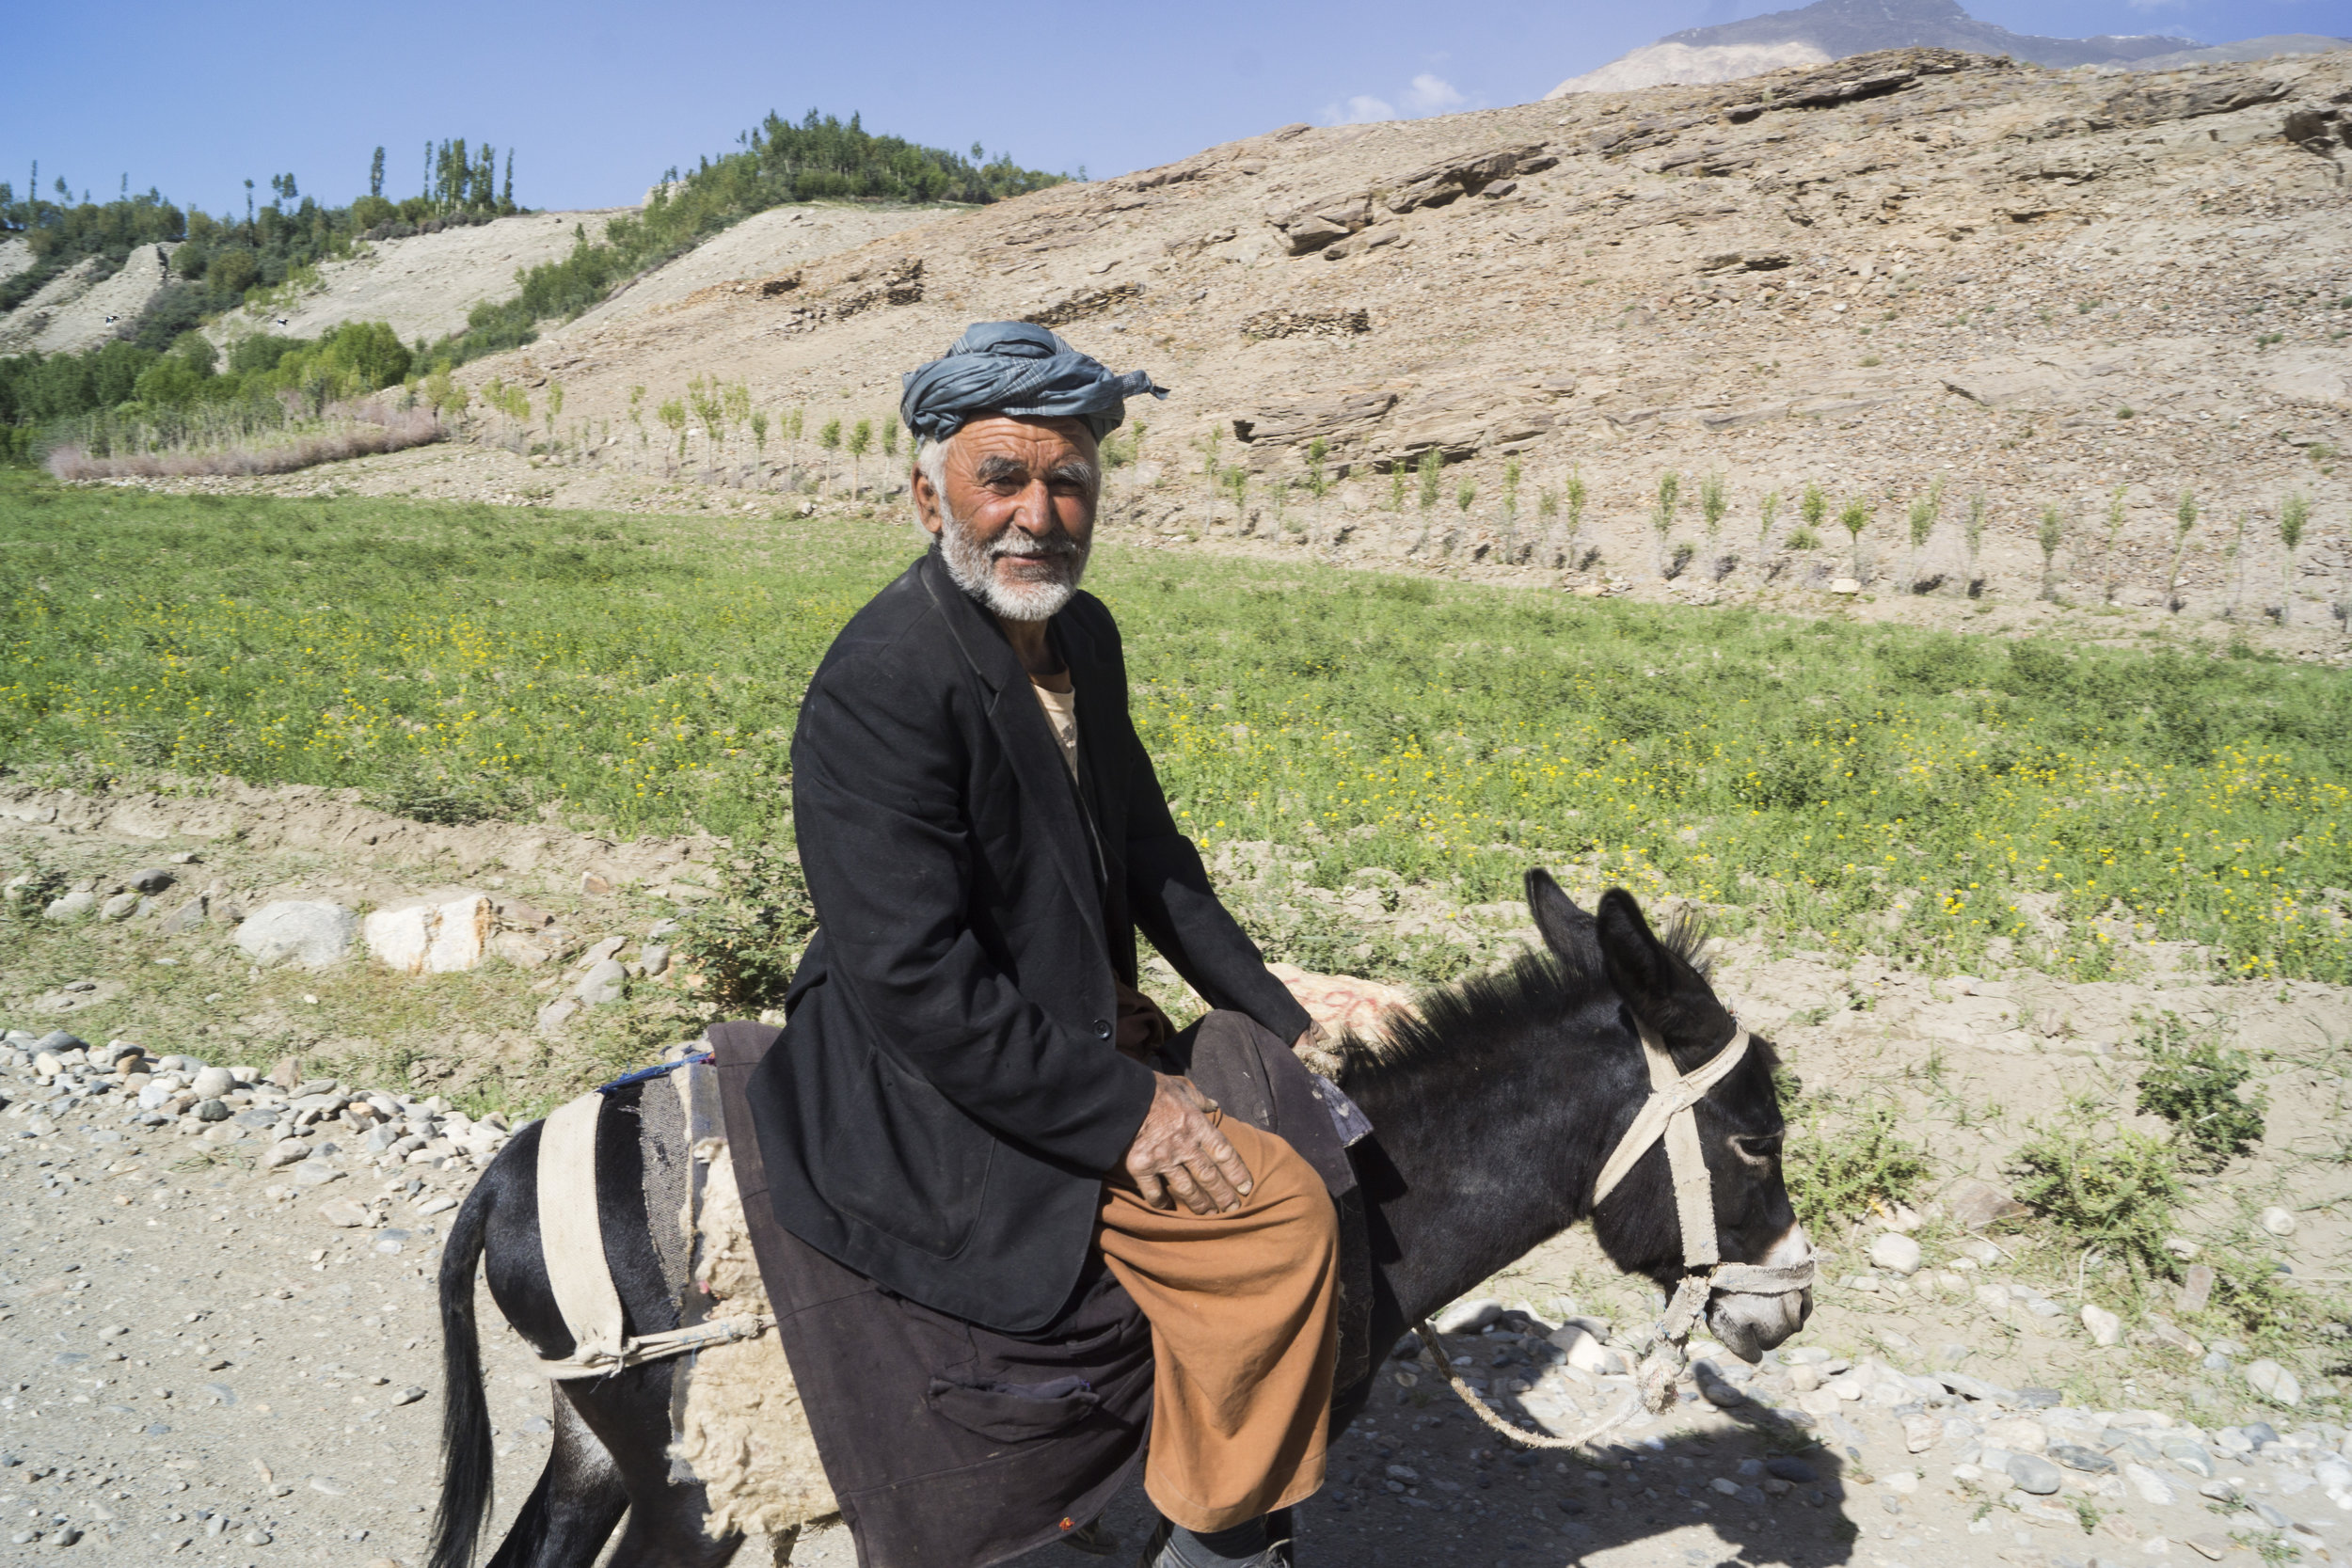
x=1813, y=506
x=1854, y=519
x=673, y=417
x=2107, y=548
x=1431, y=463
x=1211, y=471
x=1661, y=516
x=890, y=435
x=555, y=406
x=1237, y=481
x=1318, y=485
x=861, y=442
x=375, y=174
x=760, y=437
x=829, y=438
x=1464, y=494
x=2294, y=513
x=1576, y=497
x=1713, y=503
x=1972, y=536
x=2184, y=523
x=2050, y=534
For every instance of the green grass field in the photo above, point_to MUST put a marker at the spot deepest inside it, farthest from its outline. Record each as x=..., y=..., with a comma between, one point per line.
x=1909, y=793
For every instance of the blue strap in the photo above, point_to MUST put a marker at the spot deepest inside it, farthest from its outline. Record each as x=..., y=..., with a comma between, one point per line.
x=660, y=1069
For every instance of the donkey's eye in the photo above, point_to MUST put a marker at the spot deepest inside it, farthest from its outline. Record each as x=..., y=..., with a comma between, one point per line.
x=1757, y=1150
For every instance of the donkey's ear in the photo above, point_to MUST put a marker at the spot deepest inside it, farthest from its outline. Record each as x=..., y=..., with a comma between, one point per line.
x=1567, y=930
x=1638, y=964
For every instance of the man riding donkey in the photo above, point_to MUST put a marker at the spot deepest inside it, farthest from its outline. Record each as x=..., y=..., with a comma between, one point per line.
x=966, y=1106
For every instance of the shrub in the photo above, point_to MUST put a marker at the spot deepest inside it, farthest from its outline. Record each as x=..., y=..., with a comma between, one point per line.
x=747, y=941
x=2194, y=1083
x=1865, y=1164
x=2116, y=1193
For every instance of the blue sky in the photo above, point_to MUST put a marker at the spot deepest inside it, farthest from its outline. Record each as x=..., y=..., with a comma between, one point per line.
x=598, y=98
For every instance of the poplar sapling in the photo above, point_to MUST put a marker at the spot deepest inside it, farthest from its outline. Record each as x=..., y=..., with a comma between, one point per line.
x=2184, y=521
x=2294, y=514
x=2049, y=535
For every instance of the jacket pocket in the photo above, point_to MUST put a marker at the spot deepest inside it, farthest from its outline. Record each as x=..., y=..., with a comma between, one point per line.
x=1014, y=1412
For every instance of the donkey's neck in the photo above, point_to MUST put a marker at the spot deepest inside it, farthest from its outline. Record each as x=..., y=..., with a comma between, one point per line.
x=1491, y=1156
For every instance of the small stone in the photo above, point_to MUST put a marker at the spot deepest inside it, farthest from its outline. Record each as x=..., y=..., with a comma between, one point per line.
x=557, y=1013
x=255, y=1536
x=2180, y=1247
x=2104, y=1326
x=212, y=1110
x=409, y=1396
x=73, y=906
x=2034, y=1474
x=1788, y=1468
x=1974, y=1205
x=2277, y=1221
x=605, y=982
x=153, y=879
x=316, y=1173
x=1467, y=1316
x=1921, y=1432
x=286, y=1152
x=2018, y=1435
x=440, y=1204
x=1845, y=585
x=2273, y=1381
x=2075, y=1457
x=593, y=885
x=343, y=1214
x=2190, y=1457
x=212, y=1083
x=2209, y=1546
x=122, y=906
x=1895, y=1252
x=2152, y=1487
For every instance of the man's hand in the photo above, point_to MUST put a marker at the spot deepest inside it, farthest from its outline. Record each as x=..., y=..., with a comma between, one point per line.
x=1179, y=1156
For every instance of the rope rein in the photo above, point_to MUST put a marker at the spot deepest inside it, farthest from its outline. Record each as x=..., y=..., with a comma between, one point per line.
x=1669, y=1114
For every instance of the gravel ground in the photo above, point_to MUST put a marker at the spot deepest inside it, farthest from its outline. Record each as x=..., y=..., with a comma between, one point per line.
x=209, y=1355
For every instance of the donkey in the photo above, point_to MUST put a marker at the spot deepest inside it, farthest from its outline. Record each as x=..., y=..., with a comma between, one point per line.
x=1494, y=1111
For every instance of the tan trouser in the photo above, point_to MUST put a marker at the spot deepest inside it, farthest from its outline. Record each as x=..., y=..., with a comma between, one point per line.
x=1243, y=1332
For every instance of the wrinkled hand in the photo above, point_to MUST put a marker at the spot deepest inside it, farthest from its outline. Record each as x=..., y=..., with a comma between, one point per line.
x=1178, y=1155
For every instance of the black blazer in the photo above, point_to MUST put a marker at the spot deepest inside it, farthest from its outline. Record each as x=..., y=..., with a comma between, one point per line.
x=945, y=1100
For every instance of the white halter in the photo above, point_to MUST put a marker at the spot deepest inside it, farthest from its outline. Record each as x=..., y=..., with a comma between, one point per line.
x=1669, y=1113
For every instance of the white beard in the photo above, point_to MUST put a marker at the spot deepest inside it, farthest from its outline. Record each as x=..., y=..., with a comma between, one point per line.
x=973, y=566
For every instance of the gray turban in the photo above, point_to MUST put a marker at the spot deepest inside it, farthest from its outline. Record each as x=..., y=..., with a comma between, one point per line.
x=1021, y=369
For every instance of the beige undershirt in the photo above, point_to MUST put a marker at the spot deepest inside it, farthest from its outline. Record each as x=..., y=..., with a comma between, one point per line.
x=1061, y=717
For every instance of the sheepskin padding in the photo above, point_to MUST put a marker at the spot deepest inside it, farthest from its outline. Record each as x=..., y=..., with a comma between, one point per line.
x=742, y=1431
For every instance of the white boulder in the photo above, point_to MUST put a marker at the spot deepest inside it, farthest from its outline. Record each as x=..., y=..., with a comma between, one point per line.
x=427, y=936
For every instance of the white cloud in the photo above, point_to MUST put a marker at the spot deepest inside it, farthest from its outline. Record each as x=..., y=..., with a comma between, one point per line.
x=1363, y=109
x=1430, y=93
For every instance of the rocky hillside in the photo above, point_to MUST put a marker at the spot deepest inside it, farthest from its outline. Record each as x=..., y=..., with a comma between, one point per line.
x=1906, y=271
x=1833, y=29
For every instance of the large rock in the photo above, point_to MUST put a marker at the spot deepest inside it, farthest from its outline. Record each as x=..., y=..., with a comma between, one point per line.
x=2274, y=1382
x=312, y=934
x=429, y=935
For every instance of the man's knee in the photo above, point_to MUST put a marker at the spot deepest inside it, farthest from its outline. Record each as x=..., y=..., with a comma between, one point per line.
x=1280, y=1178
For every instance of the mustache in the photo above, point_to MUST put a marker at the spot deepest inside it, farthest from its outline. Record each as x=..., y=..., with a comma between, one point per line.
x=1014, y=543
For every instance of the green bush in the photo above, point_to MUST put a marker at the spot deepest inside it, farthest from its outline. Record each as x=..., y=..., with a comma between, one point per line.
x=2195, y=1084
x=746, y=941
x=2117, y=1194
x=1844, y=1173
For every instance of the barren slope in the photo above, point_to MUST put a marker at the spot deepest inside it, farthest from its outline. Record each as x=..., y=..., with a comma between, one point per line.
x=424, y=284
x=1870, y=275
